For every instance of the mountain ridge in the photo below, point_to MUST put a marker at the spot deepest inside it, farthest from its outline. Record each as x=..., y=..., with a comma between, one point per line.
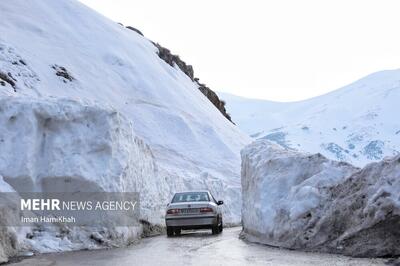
x=356, y=123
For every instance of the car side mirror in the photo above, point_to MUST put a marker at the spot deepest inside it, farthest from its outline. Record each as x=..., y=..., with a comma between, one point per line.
x=220, y=202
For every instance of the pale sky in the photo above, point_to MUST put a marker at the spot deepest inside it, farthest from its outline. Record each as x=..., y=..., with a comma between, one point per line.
x=283, y=50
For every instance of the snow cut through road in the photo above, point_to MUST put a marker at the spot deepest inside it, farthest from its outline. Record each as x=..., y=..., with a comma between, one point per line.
x=196, y=248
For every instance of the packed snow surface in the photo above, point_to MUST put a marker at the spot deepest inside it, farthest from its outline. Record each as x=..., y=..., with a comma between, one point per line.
x=84, y=99
x=357, y=123
x=306, y=201
x=225, y=249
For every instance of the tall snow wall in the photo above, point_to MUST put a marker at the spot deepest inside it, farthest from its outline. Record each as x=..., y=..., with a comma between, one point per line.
x=307, y=202
x=68, y=146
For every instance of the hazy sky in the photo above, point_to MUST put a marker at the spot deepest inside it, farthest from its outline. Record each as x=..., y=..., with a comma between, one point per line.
x=281, y=50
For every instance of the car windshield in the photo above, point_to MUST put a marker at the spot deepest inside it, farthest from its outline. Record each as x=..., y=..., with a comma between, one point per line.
x=190, y=196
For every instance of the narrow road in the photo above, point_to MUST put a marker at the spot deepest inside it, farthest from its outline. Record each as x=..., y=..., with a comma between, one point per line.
x=196, y=248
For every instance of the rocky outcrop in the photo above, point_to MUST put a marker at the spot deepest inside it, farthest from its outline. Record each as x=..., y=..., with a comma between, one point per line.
x=171, y=59
x=307, y=202
x=134, y=29
x=6, y=78
x=214, y=99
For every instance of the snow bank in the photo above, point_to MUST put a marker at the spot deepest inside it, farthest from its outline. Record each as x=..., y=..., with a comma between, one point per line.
x=8, y=238
x=12, y=238
x=281, y=188
x=67, y=146
x=305, y=201
x=63, y=145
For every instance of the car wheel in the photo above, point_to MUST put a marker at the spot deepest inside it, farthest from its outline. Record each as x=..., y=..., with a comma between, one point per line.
x=170, y=231
x=221, y=227
x=177, y=231
x=214, y=229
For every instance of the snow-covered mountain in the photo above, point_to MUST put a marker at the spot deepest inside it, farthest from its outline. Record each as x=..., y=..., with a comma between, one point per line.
x=85, y=99
x=357, y=123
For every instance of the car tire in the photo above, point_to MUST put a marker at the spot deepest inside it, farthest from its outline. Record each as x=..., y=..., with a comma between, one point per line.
x=170, y=231
x=221, y=227
x=177, y=231
x=214, y=229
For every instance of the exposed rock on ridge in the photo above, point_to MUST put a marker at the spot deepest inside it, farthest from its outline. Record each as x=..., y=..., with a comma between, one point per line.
x=171, y=59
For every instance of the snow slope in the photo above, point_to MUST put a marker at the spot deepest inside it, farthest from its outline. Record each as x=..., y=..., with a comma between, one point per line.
x=84, y=98
x=306, y=201
x=357, y=123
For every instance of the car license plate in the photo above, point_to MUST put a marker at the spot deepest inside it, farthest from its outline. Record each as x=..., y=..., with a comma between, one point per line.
x=191, y=210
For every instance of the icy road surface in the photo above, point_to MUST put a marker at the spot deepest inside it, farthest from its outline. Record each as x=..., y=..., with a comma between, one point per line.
x=196, y=248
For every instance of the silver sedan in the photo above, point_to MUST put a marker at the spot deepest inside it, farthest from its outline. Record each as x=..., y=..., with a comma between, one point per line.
x=193, y=210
